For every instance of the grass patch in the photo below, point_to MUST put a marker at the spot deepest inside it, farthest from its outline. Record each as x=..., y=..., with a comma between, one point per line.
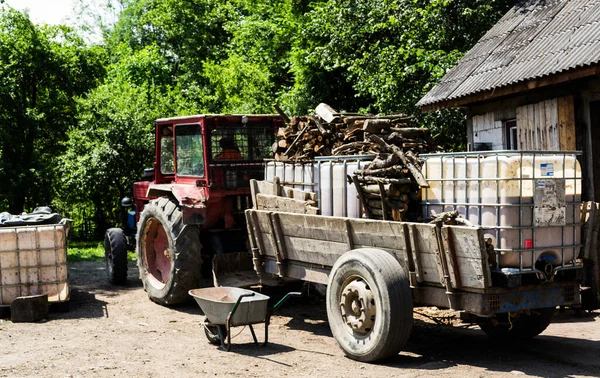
x=90, y=251
x=85, y=251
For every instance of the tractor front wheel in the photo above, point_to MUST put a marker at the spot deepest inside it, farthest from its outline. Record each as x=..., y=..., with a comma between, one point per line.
x=115, y=253
x=168, y=253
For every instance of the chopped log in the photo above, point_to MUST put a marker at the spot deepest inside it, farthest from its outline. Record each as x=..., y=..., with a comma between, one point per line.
x=283, y=132
x=393, y=171
x=282, y=143
x=375, y=125
x=412, y=145
x=319, y=126
x=286, y=153
x=349, y=147
x=397, y=215
x=374, y=189
x=412, y=132
x=409, y=161
x=371, y=179
x=377, y=212
x=326, y=112
x=275, y=147
x=384, y=161
x=450, y=217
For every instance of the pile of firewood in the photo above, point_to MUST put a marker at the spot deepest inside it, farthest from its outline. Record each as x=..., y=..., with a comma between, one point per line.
x=389, y=186
x=329, y=133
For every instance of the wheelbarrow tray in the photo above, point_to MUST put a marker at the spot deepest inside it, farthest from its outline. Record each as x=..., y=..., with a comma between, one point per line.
x=217, y=303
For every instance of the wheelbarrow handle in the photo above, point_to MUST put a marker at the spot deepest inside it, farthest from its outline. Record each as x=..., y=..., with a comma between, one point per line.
x=270, y=312
x=285, y=298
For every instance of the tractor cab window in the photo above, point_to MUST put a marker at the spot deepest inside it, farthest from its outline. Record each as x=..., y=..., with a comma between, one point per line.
x=241, y=142
x=229, y=145
x=190, y=154
x=167, y=156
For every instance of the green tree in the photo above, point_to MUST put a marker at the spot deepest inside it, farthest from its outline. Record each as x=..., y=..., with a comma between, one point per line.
x=113, y=140
x=391, y=52
x=42, y=70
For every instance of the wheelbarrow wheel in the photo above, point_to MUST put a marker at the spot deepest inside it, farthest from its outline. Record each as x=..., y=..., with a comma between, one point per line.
x=115, y=253
x=168, y=253
x=212, y=333
x=369, y=304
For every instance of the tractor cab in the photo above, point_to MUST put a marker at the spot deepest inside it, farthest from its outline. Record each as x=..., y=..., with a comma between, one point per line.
x=208, y=160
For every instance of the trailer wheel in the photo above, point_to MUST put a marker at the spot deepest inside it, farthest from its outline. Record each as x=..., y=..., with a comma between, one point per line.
x=168, y=253
x=115, y=253
x=369, y=304
x=519, y=327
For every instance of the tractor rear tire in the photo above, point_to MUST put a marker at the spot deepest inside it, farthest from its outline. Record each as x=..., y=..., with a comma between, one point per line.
x=523, y=327
x=369, y=305
x=168, y=253
x=115, y=253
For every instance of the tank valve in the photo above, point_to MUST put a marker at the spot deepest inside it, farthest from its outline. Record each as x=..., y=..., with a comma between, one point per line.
x=544, y=264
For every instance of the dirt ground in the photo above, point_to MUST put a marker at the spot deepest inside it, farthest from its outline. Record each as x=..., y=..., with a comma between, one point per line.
x=118, y=332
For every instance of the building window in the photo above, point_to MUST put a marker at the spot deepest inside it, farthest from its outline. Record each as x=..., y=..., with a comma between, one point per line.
x=510, y=134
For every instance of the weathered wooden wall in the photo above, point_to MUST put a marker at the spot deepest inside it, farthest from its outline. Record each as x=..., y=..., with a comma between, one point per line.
x=547, y=125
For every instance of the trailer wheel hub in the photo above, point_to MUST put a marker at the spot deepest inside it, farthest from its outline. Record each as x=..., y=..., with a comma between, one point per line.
x=358, y=306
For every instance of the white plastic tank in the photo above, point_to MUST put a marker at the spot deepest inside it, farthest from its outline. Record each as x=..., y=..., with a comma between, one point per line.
x=33, y=261
x=326, y=176
x=530, y=201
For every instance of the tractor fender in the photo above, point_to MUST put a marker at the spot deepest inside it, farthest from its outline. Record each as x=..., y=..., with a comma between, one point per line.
x=191, y=200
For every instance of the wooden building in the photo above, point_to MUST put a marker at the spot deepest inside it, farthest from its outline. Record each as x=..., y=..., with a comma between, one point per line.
x=532, y=82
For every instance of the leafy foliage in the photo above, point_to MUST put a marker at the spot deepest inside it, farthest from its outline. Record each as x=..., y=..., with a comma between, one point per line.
x=77, y=120
x=42, y=72
x=113, y=142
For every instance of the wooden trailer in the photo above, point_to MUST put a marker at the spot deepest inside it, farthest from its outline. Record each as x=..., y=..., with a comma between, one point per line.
x=376, y=271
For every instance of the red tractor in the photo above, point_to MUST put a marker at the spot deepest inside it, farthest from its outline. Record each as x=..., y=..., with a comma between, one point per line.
x=190, y=210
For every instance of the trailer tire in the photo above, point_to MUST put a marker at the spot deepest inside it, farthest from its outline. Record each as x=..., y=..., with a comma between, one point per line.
x=525, y=326
x=115, y=253
x=168, y=253
x=369, y=304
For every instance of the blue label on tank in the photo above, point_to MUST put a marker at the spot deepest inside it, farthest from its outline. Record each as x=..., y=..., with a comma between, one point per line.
x=547, y=169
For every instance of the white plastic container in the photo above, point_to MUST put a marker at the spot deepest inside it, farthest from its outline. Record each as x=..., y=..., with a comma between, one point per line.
x=326, y=176
x=530, y=201
x=33, y=261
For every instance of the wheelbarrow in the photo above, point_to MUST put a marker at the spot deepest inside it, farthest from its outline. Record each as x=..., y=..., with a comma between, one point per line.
x=226, y=307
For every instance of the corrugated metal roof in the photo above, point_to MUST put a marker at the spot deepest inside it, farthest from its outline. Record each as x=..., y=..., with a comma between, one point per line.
x=535, y=38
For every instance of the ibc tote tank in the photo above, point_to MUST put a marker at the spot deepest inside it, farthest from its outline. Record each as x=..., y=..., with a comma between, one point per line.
x=529, y=201
x=33, y=261
x=325, y=176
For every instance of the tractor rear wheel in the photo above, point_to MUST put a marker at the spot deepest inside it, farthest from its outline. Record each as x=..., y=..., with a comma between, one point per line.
x=115, y=253
x=168, y=253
